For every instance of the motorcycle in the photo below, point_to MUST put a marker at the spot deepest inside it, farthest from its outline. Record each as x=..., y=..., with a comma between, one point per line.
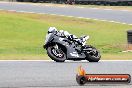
x=60, y=48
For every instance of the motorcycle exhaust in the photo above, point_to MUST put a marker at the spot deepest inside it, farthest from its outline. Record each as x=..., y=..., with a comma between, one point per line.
x=83, y=78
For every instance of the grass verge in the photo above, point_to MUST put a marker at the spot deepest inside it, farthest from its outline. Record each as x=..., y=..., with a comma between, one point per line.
x=22, y=35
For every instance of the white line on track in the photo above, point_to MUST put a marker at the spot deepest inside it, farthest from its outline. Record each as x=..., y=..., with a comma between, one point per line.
x=80, y=7
x=62, y=62
x=70, y=16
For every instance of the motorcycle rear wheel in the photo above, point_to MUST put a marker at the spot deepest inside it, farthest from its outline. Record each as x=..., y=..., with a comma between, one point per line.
x=94, y=56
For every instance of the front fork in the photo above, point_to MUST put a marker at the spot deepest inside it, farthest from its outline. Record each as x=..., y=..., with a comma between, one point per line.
x=56, y=50
x=56, y=46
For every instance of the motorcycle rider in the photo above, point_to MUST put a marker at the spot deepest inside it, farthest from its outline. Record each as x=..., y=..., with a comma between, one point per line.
x=71, y=37
x=60, y=48
x=52, y=29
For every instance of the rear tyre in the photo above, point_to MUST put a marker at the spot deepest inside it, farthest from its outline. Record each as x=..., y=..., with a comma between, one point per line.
x=57, y=55
x=93, y=55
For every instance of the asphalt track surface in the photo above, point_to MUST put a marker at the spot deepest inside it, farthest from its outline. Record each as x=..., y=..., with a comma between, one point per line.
x=43, y=74
x=100, y=14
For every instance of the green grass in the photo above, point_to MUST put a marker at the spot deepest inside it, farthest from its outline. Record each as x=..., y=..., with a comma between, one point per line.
x=22, y=35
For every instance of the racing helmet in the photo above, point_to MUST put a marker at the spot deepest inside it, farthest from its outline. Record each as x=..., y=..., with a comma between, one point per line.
x=52, y=29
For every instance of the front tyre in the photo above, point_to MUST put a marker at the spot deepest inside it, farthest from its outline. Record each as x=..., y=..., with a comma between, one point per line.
x=57, y=55
x=93, y=55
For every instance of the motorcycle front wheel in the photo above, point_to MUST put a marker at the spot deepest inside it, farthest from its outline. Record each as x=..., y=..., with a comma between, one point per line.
x=57, y=55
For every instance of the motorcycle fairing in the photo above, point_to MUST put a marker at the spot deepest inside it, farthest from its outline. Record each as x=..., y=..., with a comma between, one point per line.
x=71, y=51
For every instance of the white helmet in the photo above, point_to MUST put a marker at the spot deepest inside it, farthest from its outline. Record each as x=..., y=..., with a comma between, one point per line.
x=52, y=29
